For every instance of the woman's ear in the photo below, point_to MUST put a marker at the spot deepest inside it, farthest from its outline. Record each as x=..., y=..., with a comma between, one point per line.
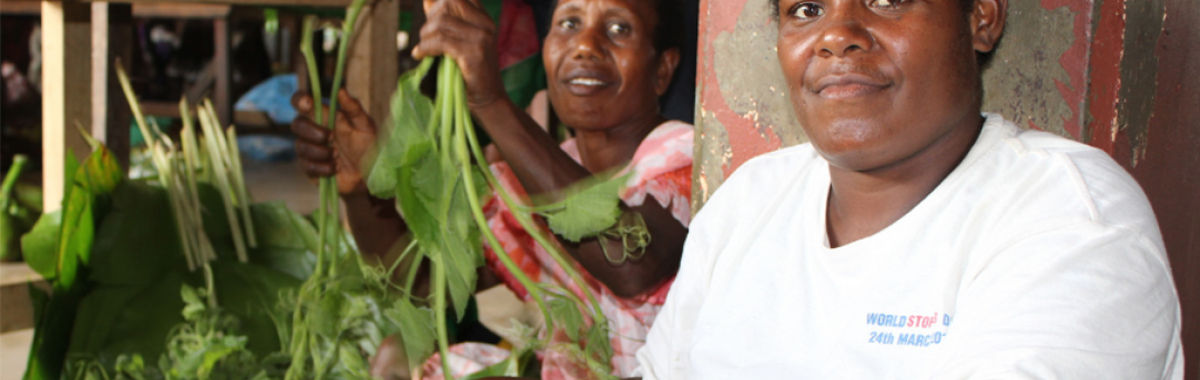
x=987, y=23
x=667, y=62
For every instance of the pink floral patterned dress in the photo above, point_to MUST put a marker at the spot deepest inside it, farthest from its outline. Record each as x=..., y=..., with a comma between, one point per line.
x=661, y=169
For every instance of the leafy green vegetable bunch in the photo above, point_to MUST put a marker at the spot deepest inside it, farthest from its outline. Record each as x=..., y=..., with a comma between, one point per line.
x=342, y=312
x=111, y=251
x=425, y=163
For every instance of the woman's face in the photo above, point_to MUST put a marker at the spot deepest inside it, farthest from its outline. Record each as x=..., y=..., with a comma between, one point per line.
x=601, y=64
x=874, y=82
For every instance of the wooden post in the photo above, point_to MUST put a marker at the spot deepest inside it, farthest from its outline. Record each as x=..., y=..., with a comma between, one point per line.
x=222, y=97
x=66, y=90
x=112, y=39
x=372, y=68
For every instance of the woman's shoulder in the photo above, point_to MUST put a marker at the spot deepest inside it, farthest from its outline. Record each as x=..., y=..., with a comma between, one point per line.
x=784, y=161
x=668, y=148
x=671, y=137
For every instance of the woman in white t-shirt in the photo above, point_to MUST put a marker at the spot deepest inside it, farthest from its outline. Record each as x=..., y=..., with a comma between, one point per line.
x=915, y=238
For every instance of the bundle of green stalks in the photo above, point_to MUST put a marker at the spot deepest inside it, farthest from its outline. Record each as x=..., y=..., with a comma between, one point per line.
x=214, y=159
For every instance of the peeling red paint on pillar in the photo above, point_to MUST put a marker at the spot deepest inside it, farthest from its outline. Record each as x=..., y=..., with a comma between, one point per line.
x=1074, y=61
x=1105, y=74
x=746, y=140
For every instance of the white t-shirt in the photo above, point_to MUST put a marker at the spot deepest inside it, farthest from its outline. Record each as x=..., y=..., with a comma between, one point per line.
x=1036, y=258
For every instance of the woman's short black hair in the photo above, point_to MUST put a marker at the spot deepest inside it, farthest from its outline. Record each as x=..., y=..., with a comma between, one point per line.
x=669, y=30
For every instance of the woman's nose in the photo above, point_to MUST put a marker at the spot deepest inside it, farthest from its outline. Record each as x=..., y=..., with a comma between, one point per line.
x=842, y=33
x=588, y=44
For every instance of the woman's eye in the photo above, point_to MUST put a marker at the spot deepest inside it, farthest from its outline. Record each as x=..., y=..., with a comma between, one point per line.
x=808, y=11
x=568, y=24
x=888, y=3
x=619, y=29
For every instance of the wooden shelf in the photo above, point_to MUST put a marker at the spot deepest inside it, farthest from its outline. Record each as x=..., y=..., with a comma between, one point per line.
x=241, y=119
x=312, y=3
x=161, y=10
x=16, y=310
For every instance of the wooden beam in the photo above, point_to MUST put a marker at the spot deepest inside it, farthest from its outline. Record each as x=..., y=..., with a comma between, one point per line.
x=66, y=90
x=156, y=10
x=175, y=10
x=372, y=68
x=20, y=7
x=112, y=40
x=313, y=3
x=221, y=68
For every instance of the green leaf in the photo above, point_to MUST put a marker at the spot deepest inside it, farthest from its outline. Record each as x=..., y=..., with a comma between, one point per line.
x=219, y=349
x=588, y=209
x=418, y=333
x=40, y=245
x=463, y=250
x=75, y=240
x=420, y=214
x=325, y=315
x=567, y=317
x=403, y=140
x=189, y=296
x=98, y=176
x=100, y=172
x=121, y=319
x=130, y=364
x=286, y=241
x=136, y=242
x=599, y=347
x=250, y=292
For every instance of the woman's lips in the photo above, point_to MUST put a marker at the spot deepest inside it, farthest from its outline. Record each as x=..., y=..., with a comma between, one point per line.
x=848, y=90
x=848, y=85
x=585, y=81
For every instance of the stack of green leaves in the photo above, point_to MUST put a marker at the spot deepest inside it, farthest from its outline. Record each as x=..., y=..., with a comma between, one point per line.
x=116, y=261
x=117, y=270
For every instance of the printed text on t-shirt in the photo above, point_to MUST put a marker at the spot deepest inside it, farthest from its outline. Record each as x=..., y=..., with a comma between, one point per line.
x=906, y=323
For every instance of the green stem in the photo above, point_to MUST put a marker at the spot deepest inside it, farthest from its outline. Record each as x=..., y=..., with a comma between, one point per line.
x=133, y=102
x=314, y=85
x=191, y=159
x=14, y=173
x=212, y=289
x=239, y=183
x=221, y=174
x=480, y=220
x=439, y=312
x=347, y=35
x=163, y=165
x=412, y=275
x=527, y=223
x=330, y=216
x=403, y=255
x=314, y=79
x=446, y=89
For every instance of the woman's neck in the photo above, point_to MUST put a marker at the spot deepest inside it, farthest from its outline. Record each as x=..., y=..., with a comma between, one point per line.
x=862, y=203
x=601, y=149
